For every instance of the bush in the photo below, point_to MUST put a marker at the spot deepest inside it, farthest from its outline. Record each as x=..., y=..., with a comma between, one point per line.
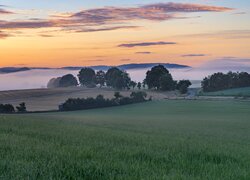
x=7, y=108
x=21, y=108
x=100, y=101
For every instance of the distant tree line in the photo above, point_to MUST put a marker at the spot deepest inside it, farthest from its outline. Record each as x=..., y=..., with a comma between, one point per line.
x=9, y=108
x=158, y=78
x=220, y=81
x=100, y=102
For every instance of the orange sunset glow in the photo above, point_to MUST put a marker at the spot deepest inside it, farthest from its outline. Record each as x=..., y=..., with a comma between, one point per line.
x=92, y=35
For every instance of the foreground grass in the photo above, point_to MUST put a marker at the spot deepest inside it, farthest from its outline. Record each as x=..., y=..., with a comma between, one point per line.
x=238, y=92
x=156, y=140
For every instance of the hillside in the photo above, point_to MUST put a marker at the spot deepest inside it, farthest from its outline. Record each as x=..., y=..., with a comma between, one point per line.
x=6, y=70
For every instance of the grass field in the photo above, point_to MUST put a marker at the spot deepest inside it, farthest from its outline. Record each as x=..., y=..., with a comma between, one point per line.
x=239, y=92
x=154, y=140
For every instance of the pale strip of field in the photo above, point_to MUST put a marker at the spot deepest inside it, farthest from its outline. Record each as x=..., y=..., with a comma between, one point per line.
x=49, y=99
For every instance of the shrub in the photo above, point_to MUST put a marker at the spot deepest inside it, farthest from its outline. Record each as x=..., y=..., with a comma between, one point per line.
x=21, y=108
x=100, y=101
x=7, y=108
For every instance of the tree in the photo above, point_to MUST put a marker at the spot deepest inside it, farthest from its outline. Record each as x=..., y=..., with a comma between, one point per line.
x=87, y=77
x=132, y=84
x=117, y=79
x=100, y=78
x=21, y=108
x=68, y=81
x=54, y=83
x=65, y=81
x=158, y=76
x=183, y=85
x=167, y=83
x=139, y=85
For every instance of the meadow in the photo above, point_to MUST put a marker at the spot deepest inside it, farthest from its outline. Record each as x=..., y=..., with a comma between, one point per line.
x=171, y=139
x=237, y=92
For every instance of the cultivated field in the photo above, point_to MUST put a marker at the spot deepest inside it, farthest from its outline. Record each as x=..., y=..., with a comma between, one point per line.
x=156, y=140
x=49, y=99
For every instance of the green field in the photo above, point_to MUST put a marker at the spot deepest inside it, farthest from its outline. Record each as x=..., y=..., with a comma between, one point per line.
x=154, y=140
x=239, y=92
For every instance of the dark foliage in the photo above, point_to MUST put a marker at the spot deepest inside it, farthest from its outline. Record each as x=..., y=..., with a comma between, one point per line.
x=21, y=108
x=132, y=84
x=117, y=95
x=54, y=83
x=139, y=85
x=68, y=81
x=183, y=85
x=167, y=83
x=65, y=81
x=100, y=78
x=138, y=96
x=87, y=77
x=220, y=81
x=7, y=108
x=100, y=101
x=117, y=79
x=159, y=78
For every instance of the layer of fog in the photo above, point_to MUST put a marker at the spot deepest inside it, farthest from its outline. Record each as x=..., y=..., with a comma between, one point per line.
x=39, y=78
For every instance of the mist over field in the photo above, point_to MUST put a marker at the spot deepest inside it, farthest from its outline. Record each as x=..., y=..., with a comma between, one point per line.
x=38, y=78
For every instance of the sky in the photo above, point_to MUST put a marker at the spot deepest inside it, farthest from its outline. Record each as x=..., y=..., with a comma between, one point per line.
x=62, y=33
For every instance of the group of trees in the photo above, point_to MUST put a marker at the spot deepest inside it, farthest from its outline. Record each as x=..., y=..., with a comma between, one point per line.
x=220, y=81
x=114, y=78
x=159, y=78
x=9, y=108
x=100, y=101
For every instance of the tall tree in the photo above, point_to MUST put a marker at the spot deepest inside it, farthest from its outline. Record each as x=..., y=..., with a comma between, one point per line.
x=117, y=79
x=159, y=78
x=87, y=77
x=68, y=81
